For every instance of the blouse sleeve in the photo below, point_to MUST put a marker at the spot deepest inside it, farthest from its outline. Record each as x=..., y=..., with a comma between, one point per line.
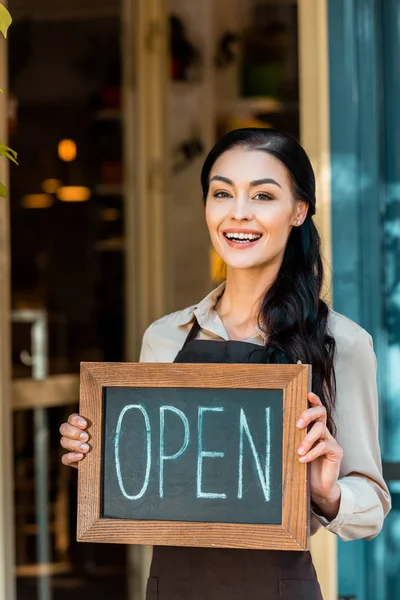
x=365, y=498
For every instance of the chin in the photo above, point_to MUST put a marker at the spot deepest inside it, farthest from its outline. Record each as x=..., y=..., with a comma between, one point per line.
x=242, y=264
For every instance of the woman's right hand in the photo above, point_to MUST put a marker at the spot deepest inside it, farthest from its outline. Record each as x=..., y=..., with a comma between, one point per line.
x=74, y=438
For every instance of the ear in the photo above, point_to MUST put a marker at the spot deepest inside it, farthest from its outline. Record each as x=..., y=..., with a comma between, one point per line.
x=300, y=212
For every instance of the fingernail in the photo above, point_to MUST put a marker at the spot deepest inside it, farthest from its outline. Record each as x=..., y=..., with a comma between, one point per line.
x=84, y=436
x=303, y=459
x=78, y=455
x=85, y=446
x=82, y=423
x=300, y=423
x=301, y=450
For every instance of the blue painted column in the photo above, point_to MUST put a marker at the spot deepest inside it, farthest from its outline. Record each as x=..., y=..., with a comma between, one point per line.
x=391, y=73
x=358, y=212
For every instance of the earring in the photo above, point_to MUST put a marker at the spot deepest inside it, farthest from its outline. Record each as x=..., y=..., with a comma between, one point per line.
x=298, y=222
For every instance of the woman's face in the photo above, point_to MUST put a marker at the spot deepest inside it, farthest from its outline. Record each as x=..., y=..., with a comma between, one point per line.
x=250, y=209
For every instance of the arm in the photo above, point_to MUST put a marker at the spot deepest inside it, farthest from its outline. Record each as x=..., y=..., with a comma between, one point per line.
x=364, y=496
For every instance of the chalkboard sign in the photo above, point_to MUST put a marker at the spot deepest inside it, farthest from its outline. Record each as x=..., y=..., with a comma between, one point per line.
x=194, y=455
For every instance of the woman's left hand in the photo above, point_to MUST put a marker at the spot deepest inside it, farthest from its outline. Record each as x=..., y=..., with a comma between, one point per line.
x=321, y=449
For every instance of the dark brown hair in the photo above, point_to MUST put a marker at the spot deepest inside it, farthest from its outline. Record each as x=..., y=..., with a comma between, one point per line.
x=292, y=313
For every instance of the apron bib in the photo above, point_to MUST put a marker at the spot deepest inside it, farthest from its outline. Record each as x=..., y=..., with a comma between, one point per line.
x=182, y=573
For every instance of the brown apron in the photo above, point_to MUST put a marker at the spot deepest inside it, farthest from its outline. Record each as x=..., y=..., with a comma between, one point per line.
x=181, y=573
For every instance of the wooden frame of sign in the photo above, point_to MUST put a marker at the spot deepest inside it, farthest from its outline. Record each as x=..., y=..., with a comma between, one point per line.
x=293, y=531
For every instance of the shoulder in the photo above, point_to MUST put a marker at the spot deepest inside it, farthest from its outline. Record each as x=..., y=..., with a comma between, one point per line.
x=163, y=327
x=350, y=337
x=164, y=338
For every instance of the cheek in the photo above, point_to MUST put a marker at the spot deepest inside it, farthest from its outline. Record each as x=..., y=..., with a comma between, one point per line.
x=213, y=217
x=275, y=220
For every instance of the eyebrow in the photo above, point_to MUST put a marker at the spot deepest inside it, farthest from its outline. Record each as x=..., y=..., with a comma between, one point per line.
x=254, y=183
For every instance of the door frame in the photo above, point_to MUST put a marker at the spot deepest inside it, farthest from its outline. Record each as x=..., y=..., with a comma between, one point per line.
x=147, y=248
x=315, y=137
x=7, y=554
x=148, y=269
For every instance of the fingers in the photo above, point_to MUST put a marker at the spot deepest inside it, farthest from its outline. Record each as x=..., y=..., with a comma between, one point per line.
x=74, y=439
x=71, y=459
x=326, y=447
x=314, y=399
x=316, y=413
x=317, y=432
x=318, y=450
x=73, y=432
x=74, y=445
x=77, y=421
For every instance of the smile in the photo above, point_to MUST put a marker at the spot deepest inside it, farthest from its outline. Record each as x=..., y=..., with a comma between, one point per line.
x=239, y=238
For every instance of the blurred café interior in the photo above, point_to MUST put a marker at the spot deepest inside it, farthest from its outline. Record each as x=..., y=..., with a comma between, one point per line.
x=112, y=105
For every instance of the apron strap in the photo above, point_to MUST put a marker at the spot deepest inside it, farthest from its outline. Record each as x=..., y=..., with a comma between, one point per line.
x=192, y=333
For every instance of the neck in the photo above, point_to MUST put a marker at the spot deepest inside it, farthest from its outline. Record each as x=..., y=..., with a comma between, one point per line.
x=245, y=289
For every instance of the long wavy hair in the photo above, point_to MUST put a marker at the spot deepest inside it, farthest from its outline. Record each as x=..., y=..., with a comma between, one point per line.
x=292, y=314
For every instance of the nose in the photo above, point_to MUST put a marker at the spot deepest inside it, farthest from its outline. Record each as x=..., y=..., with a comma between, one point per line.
x=241, y=209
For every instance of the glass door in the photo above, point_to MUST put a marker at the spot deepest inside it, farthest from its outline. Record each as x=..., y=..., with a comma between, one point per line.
x=68, y=270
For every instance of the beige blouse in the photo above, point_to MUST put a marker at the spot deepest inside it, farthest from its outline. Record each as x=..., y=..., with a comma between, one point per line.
x=365, y=499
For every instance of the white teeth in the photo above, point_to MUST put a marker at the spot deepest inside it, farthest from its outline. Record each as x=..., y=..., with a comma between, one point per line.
x=243, y=236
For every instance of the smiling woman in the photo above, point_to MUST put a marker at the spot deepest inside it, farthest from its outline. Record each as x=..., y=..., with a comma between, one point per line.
x=259, y=193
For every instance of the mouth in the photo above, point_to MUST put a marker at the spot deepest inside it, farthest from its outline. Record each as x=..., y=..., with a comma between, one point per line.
x=242, y=239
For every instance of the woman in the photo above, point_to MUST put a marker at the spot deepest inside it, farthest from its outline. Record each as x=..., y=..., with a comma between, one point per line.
x=259, y=194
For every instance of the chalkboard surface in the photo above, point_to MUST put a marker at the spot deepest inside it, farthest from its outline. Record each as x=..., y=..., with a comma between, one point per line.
x=198, y=455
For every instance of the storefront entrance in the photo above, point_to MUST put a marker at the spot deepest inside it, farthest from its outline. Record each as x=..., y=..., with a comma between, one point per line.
x=112, y=108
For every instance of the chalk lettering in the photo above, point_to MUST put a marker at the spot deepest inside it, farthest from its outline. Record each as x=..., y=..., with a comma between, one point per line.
x=163, y=456
x=205, y=454
x=141, y=493
x=263, y=476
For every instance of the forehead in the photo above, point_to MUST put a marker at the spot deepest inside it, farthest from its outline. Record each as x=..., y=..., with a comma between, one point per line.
x=241, y=165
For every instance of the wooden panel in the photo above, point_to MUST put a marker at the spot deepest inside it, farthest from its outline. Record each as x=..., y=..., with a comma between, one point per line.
x=295, y=488
x=295, y=382
x=206, y=535
x=192, y=375
x=56, y=390
x=90, y=470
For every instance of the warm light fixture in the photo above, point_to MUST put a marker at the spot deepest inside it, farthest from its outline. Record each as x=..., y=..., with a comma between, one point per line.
x=67, y=150
x=37, y=201
x=110, y=214
x=50, y=186
x=73, y=193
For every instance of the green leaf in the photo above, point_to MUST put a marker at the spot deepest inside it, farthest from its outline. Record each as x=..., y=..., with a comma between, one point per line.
x=3, y=191
x=8, y=153
x=5, y=20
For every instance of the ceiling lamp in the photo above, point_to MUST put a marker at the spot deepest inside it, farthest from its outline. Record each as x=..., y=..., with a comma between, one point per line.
x=67, y=150
x=37, y=201
x=73, y=193
x=50, y=186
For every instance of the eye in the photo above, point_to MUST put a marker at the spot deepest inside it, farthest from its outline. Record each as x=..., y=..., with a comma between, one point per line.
x=221, y=194
x=263, y=196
